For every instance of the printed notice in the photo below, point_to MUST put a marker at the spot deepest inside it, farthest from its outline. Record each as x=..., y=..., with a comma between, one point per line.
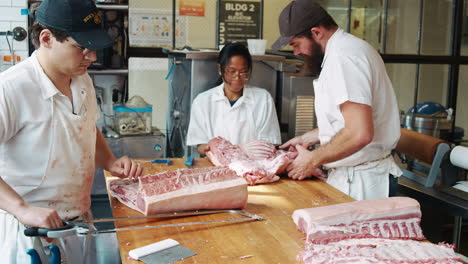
x=238, y=21
x=192, y=7
x=153, y=28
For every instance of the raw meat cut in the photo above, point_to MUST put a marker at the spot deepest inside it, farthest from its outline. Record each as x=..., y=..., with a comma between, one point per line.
x=182, y=190
x=253, y=170
x=395, y=217
x=379, y=251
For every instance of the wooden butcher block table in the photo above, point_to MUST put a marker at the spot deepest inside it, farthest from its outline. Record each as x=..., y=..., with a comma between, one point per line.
x=273, y=240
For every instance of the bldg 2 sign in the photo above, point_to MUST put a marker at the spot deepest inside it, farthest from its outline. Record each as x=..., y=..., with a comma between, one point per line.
x=239, y=21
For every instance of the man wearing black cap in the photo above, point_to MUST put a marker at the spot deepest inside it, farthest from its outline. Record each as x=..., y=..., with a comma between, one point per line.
x=356, y=108
x=49, y=143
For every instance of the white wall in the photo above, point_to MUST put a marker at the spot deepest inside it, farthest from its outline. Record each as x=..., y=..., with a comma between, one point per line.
x=10, y=17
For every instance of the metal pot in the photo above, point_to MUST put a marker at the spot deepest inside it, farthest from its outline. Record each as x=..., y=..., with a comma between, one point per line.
x=436, y=126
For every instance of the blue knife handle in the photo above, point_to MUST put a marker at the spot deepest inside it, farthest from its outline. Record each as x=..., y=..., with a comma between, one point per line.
x=55, y=257
x=189, y=161
x=167, y=161
x=35, y=259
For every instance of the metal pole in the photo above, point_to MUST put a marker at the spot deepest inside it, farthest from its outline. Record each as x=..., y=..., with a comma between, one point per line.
x=416, y=89
x=454, y=70
x=174, y=24
x=350, y=5
x=385, y=23
x=261, y=20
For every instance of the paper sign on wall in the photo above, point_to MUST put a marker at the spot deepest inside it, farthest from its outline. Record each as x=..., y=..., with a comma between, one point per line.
x=192, y=7
x=153, y=28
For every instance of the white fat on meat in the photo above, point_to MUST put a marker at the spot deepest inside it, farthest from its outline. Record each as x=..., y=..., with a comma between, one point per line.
x=378, y=251
x=395, y=217
x=182, y=190
x=252, y=169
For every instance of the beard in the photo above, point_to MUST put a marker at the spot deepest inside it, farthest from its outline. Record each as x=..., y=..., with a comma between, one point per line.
x=314, y=61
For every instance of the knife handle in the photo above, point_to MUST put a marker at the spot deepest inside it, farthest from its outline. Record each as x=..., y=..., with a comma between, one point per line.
x=167, y=161
x=43, y=232
x=189, y=161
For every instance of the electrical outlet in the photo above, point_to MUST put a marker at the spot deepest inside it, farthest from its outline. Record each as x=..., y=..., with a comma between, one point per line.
x=100, y=95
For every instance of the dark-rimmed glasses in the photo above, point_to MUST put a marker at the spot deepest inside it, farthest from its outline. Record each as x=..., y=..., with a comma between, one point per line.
x=233, y=74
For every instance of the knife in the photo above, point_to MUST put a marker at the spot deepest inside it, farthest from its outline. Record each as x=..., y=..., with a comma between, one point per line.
x=189, y=162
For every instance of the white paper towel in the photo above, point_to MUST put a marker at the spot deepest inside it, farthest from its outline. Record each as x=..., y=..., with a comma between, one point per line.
x=459, y=157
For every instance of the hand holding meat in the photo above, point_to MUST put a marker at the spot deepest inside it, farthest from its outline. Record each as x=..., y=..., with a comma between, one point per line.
x=302, y=167
x=203, y=148
x=258, y=149
x=38, y=216
x=306, y=140
x=126, y=168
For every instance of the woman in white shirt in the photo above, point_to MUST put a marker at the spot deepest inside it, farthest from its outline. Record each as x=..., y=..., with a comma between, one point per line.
x=233, y=110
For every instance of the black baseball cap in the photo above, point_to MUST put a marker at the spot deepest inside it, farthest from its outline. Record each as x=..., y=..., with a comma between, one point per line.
x=79, y=18
x=297, y=17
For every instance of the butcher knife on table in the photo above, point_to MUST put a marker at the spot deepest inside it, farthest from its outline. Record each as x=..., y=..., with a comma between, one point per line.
x=82, y=227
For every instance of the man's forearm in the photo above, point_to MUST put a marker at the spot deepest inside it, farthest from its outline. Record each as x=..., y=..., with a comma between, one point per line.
x=10, y=200
x=344, y=144
x=356, y=134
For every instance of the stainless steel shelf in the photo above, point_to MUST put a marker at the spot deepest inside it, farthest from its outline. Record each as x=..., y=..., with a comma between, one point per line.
x=112, y=7
x=109, y=72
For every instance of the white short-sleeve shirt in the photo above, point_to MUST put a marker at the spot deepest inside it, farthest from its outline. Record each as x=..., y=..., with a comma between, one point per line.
x=26, y=119
x=353, y=71
x=252, y=117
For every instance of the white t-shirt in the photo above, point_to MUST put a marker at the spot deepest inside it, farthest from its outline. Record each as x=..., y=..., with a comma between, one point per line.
x=252, y=117
x=353, y=71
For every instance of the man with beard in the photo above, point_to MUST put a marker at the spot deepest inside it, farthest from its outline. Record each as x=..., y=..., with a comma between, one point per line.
x=356, y=108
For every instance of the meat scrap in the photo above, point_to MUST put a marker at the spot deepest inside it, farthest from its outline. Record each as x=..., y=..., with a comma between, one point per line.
x=395, y=217
x=379, y=251
x=182, y=190
x=252, y=169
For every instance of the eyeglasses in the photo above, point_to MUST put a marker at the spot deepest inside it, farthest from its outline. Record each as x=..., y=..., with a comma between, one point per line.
x=83, y=50
x=234, y=74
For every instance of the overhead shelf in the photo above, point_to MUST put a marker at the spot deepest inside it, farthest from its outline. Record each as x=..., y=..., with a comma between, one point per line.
x=112, y=7
x=109, y=72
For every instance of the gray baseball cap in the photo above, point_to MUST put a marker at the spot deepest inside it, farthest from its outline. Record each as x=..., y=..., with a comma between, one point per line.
x=297, y=17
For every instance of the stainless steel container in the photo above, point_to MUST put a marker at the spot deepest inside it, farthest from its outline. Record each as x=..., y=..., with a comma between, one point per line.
x=436, y=126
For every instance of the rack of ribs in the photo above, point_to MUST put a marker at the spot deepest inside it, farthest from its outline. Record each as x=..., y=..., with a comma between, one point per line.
x=182, y=190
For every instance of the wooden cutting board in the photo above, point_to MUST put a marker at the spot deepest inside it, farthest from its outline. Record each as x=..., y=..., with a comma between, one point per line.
x=273, y=240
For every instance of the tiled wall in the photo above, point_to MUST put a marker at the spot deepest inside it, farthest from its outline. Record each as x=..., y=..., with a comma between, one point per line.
x=10, y=17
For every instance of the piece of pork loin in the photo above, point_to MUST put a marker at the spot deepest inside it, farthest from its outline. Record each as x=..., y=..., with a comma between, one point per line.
x=379, y=251
x=395, y=217
x=182, y=190
x=254, y=171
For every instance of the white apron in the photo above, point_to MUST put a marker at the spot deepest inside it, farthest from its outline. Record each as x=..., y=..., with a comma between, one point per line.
x=66, y=184
x=366, y=181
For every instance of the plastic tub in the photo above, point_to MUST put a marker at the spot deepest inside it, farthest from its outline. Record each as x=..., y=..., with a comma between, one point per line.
x=257, y=46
